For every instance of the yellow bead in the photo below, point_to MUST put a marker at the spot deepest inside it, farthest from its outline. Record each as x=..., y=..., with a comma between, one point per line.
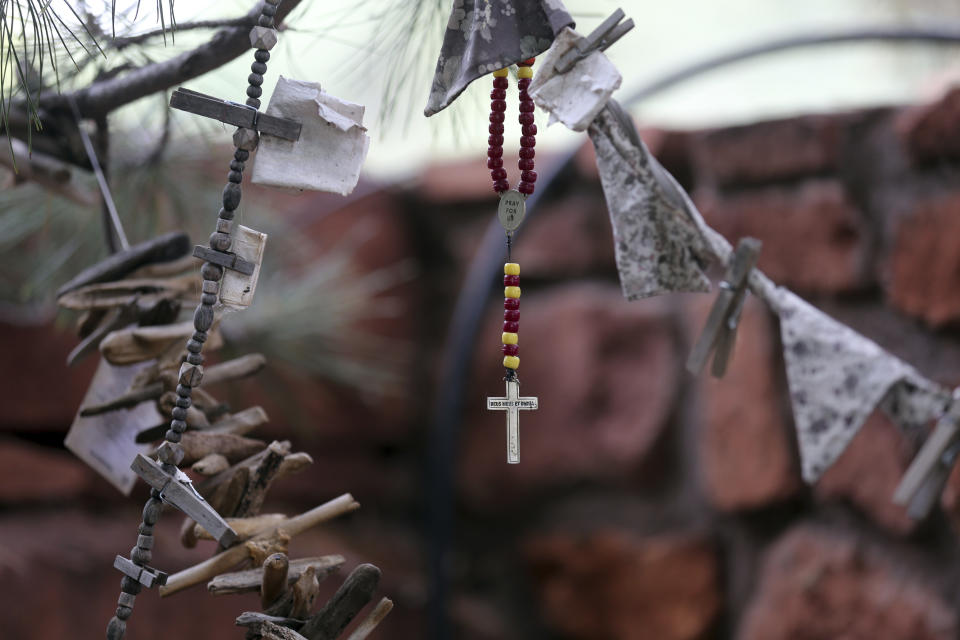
x=511, y=292
x=509, y=338
x=500, y=73
x=511, y=269
x=511, y=362
x=525, y=72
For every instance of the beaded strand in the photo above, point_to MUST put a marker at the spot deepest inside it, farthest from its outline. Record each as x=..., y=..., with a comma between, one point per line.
x=511, y=317
x=528, y=139
x=191, y=372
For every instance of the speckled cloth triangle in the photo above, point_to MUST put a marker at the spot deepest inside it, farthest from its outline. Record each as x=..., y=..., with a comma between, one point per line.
x=837, y=378
x=485, y=35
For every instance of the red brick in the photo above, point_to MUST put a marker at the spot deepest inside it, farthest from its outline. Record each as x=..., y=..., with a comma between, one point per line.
x=924, y=263
x=613, y=585
x=579, y=223
x=746, y=452
x=40, y=391
x=767, y=152
x=817, y=584
x=868, y=472
x=29, y=473
x=605, y=373
x=932, y=132
x=814, y=239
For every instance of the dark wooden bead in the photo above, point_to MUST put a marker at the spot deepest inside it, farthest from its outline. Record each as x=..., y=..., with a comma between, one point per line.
x=526, y=188
x=494, y=163
x=126, y=599
x=258, y=67
x=199, y=336
x=268, y=9
x=254, y=92
x=253, y=102
x=140, y=556
x=265, y=21
x=212, y=272
x=151, y=511
x=226, y=215
x=255, y=79
x=184, y=391
x=497, y=117
x=511, y=303
x=525, y=164
x=241, y=154
x=124, y=613
x=195, y=358
x=145, y=542
x=236, y=165
x=129, y=585
x=526, y=118
x=498, y=174
x=261, y=55
x=183, y=402
x=209, y=299
x=145, y=529
x=231, y=196
x=501, y=83
x=235, y=176
x=178, y=413
x=194, y=346
x=172, y=436
x=116, y=629
x=178, y=425
x=220, y=241
x=203, y=318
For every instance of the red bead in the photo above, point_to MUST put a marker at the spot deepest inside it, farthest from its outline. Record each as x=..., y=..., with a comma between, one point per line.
x=497, y=129
x=526, y=106
x=526, y=118
x=499, y=106
x=525, y=152
x=498, y=94
x=494, y=163
x=501, y=83
x=498, y=174
x=495, y=141
x=528, y=141
x=528, y=130
x=525, y=164
x=501, y=185
x=511, y=349
x=528, y=176
x=524, y=84
x=496, y=117
x=512, y=315
x=525, y=188
x=511, y=281
x=496, y=152
x=511, y=327
x=526, y=63
x=511, y=303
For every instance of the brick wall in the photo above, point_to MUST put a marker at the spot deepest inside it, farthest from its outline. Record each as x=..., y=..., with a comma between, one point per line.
x=648, y=504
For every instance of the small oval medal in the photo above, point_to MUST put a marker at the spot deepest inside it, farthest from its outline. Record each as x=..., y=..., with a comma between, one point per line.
x=511, y=210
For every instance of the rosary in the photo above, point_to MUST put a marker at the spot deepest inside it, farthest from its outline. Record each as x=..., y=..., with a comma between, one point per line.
x=510, y=213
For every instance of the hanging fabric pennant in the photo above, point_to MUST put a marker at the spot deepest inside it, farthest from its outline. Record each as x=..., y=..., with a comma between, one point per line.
x=483, y=36
x=655, y=247
x=837, y=378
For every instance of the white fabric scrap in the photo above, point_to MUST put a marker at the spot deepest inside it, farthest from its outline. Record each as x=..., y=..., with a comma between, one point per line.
x=837, y=378
x=577, y=96
x=332, y=146
x=655, y=247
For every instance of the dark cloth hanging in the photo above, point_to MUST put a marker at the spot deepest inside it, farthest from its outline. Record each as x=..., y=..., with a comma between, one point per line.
x=485, y=35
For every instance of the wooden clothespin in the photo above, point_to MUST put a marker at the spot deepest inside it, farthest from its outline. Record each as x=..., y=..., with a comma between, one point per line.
x=609, y=31
x=234, y=113
x=178, y=491
x=922, y=484
x=720, y=332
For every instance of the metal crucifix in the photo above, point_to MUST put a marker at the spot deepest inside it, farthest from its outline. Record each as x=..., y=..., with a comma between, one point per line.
x=512, y=404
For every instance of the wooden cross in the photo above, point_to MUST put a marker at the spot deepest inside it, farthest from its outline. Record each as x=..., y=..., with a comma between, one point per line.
x=147, y=576
x=234, y=113
x=512, y=404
